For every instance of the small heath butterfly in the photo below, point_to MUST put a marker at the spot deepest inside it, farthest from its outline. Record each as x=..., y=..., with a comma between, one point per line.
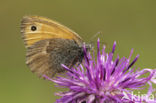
x=50, y=44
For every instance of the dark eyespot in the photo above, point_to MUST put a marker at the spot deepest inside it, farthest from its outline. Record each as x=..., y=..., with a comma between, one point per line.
x=33, y=28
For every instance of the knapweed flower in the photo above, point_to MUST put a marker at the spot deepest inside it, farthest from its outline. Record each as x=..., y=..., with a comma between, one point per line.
x=104, y=80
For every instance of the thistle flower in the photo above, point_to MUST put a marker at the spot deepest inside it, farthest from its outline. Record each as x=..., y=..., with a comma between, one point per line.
x=105, y=80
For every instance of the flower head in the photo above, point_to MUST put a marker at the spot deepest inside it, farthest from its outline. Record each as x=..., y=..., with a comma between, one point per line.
x=105, y=80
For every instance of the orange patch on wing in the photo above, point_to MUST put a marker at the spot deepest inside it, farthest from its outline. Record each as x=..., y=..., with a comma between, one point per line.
x=46, y=29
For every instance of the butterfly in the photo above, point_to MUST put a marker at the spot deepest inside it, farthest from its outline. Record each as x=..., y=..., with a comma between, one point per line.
x=50, y=44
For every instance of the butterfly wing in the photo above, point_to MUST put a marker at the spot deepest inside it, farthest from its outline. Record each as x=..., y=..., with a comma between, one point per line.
x=38, y=59
x=46, y=56
x=36, y=28
x=39, y=35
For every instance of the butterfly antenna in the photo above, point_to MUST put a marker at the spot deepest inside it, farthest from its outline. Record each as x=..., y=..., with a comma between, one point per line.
x=95, y=35
x=92, y=39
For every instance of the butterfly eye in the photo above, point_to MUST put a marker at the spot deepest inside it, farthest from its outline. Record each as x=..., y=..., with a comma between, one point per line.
x=33, y=28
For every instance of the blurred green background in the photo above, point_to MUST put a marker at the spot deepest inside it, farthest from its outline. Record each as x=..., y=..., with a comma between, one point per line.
x=132, y=23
